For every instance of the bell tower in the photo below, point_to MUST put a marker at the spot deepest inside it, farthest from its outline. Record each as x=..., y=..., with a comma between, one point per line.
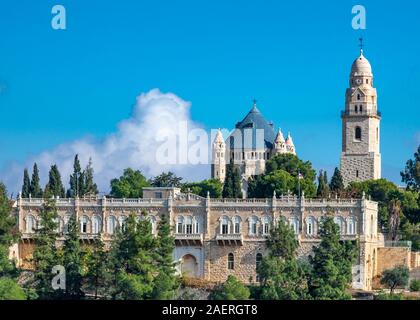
x=360, y=156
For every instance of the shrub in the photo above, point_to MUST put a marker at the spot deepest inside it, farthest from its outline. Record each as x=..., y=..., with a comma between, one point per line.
x=415, y=285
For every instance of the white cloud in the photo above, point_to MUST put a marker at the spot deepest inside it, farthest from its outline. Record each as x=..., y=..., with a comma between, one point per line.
x=133, y=145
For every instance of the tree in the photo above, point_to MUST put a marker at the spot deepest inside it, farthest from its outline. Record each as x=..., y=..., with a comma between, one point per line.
x=96, y=265
x=26, y=187
x=281, y=275
x=129, y=185
x=411, y=173
x=72, y=261
x=36, y=190
x=323, y=189
x=331, y=264
x=166, y=179
x=54, y=186
x=10, y=290
x=166, y=282
x=76, y=180
x=45, y=255
x=89, y=186
x=232, y=185
x=394, y=208
x=336, y=184
x=212, y=186
x=232, y=289
x=396, y=277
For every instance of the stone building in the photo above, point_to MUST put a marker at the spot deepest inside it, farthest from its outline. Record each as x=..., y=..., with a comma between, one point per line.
x=215, y=237
x=249, y=146
x=360, y=157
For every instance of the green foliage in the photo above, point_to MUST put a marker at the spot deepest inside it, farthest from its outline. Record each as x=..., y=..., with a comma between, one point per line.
x=213, y=186
x=396, y=277
x=415, y=285
x=10, y=290
x=323, y=188
x=386, y=296
x=36, y=190
x=72, y=255
x=232, y=289
x=45, y=255
x=26, y=187
x=336, y=184
x=96, y=266
x=76, y=180
x=411, y=173
x=54, y=186
x=89, y=186
x=129, y=185
x=282, y=175
x=331, y=264
x=282, y=241
x=166, y=179
x=232, y=185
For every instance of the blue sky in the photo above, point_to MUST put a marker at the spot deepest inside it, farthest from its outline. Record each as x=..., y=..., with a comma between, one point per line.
x=293, y=57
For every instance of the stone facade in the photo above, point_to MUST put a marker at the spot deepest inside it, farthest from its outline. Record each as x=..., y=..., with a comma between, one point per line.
x=361, y=158
x=216, y=237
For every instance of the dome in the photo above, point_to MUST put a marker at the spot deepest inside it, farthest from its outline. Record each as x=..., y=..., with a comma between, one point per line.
x=361, y=65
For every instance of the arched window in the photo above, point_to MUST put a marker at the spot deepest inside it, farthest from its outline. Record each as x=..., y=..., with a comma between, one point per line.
x=351, y=226
x=253, y=230
x=224, y=225
x=84, y=224
x=340, y=222
x=311, y=226
x=355, y=109
x=361, y=108
x=358, y=96
x=231, y=261
x=258, y=259
x=112, y=224
x=294, y=223
x=358, y=133
x=188, y=225
x=96, y=224
x=377, y=134
x=30, y=224
x=179, y=224
x=66, y=222
x=236, y=224
x=357, y=173
x=196, y=222
x=266, y=225
x=123, y=223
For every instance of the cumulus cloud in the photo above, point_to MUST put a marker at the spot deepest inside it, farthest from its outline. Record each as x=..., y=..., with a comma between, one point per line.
x=137, y=143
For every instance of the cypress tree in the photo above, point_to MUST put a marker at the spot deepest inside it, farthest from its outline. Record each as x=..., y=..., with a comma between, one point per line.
x=36, y=190
x=232, y=184
x=54, y=186
x=72, y=261
x=323, y=189
x=26, y=187
x=45, y=255
x=336, y=184
x=76, y=180
x=89, y=186
x=96, y=264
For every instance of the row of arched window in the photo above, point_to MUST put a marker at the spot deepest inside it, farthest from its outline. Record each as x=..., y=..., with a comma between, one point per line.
x=188, y=224
x=87, y=225
x=233, y=225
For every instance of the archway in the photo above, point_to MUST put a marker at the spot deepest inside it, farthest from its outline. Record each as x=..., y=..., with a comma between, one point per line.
x=189, y=266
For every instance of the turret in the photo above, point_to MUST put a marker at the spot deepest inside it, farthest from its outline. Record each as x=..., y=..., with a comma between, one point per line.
x=279, y=143
x=218, y=167
x=290, y=147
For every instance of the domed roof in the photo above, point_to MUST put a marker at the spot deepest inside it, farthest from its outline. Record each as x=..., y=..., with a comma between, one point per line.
x=361, y=65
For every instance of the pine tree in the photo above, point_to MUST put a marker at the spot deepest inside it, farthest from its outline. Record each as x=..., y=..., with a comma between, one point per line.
x=166, y=282
x=411, y=173
x=232, y=184
x=89, y=186
x=96, y=265
x=331, y=264
x=36, y=190
x=45, y=255
x=336, y=184
x=323, y=189
x=54, y=186
x=72, y=261
x=26, y=187
x=76, y=180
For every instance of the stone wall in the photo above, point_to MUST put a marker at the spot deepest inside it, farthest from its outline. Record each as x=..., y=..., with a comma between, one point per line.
x=389, y=258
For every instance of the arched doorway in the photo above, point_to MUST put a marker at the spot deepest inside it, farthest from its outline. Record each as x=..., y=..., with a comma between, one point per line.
x=189, y=266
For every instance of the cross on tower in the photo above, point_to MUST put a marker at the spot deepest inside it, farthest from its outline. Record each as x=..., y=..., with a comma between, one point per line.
x=361, y=44
x=254, y=101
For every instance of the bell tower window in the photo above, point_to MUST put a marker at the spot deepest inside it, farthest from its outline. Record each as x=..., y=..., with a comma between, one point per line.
x=358, y=133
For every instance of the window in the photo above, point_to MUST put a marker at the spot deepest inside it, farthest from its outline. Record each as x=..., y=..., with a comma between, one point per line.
x=377, y=134
x=355, y=109
x=253, y=226
x=361, y=108
x=188, y=225
x=358, y=96
x=30, y=224
x=112, y=224
x=340, y=222
x=123, y=223
x=196, y=223
x=158, y=195
x=153, y=223
x=84, y=224
x=237, y=224
x=358, y=133
x=258, y=259
x=351, y=226
x=231, y=261
x=97, y=225
x=357, y=173
x=367, y=81
x=179, y=223
x=266, y=225
x=310, y=226
x=294, y=223
x=224, y=225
